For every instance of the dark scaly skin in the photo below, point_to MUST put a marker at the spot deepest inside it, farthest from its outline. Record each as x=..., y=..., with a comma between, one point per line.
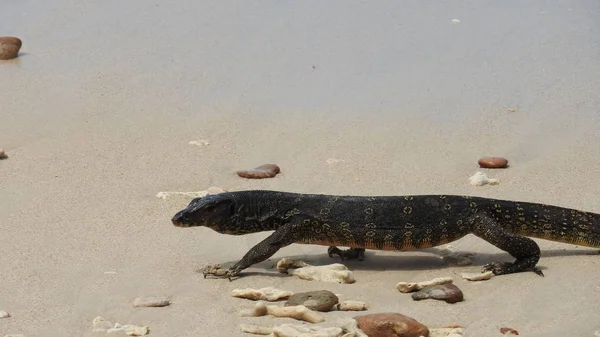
x=388, y=223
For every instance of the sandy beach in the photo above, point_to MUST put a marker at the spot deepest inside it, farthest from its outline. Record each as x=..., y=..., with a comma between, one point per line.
x=347, y=97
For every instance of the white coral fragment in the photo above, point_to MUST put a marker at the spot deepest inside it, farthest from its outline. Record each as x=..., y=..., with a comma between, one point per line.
x=480, y=179
x=266, y=294
x=406, y=287
x=335, y=272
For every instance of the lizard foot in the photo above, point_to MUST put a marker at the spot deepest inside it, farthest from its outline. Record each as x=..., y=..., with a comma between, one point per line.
x=217, y=271
x=509, y=268
x=351, y=253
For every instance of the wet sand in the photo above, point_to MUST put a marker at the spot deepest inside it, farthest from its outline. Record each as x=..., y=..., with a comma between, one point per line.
x=97, y=112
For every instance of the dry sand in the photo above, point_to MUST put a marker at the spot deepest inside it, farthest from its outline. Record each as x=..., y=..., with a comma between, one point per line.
x=97, y=112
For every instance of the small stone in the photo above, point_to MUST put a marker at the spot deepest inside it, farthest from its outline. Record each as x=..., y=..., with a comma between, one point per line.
x=477, y=276
x=390, y=325
x=507, y=331
x=455, y=21
x=512, y=110
x=445, y=292
x=3, y=154
x=160, y=301
x=9, y=47
x=492, y=162
x=321, y=300
x=260, y=172
x=4, y=314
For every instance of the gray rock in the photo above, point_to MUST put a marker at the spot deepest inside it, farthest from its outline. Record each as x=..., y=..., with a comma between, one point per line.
x=321, y=300
x=445, y=292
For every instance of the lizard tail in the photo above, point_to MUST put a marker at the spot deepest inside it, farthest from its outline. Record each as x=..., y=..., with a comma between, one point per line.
x=560, y=224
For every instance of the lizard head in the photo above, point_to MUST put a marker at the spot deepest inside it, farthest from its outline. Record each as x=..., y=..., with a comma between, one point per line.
x=211, y=211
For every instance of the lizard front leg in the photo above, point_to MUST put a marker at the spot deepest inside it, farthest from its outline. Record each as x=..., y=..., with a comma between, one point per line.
x=523, y=249
x=284, y=236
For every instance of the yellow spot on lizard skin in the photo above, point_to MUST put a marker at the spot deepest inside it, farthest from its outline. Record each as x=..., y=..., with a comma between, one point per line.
x=408, y=198
x=344, y=225
x=369, y=210
x=443, y=222
x=325, y=211
x=447, y=207
x=370, y=234
x=370, y=225
x=409, y=226
x=306, y=222
x=407, y=210
x=292, y=212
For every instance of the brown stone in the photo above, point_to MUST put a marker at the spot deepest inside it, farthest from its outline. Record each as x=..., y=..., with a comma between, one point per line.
x=445, y=292
x=3, y=154
x=321, y=300
x=509, y=331
x=390, y=325
x=9, y=47
x=263, y=171
x=492, y=162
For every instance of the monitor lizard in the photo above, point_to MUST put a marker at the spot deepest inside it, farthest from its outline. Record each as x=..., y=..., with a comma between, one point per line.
x=388, y=223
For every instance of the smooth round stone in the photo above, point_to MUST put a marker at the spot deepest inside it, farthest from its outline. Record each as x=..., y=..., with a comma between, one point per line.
x=321, y=300
x=444, y=292
x=493, y=162
x=9, y=47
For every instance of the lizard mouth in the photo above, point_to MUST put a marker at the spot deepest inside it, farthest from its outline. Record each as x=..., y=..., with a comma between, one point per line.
x=178, y=220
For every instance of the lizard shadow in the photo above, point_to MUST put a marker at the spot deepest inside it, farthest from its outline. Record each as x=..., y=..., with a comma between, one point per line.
x=425, y=259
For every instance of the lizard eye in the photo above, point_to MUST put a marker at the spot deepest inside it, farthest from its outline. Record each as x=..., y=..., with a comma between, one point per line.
x=209, y=208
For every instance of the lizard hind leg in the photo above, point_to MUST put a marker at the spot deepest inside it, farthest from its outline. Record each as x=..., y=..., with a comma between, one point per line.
x=525, y=251
x=347, y=254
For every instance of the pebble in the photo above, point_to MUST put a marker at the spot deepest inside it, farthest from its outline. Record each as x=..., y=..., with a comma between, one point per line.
x=390, y=325
x=320, y=300
x=507, y=331
x=9, y=47
x=492, y=162
x=4, y=314
x=444, y=292
x=260, y=172
x=157, y=301
x=3, y=154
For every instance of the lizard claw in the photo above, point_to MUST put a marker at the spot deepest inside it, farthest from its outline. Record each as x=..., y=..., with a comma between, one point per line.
x=508, y=268
x=217, y=271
